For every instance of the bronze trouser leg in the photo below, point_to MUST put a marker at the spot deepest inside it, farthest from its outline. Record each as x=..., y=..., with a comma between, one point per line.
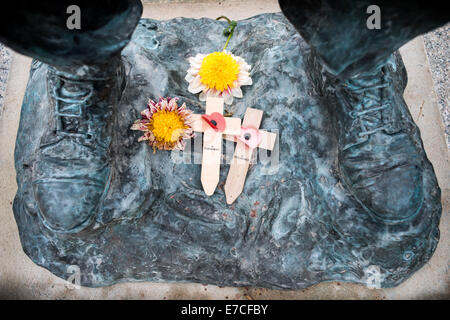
x=337, y=29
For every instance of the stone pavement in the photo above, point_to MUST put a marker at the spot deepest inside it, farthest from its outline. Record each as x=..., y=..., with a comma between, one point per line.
x=437, y=45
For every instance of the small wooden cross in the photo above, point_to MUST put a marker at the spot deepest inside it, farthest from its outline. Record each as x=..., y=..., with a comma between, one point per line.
x=249, y=139
x=214, y=126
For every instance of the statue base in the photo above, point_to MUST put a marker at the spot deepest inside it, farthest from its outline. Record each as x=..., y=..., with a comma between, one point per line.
x=294, y=225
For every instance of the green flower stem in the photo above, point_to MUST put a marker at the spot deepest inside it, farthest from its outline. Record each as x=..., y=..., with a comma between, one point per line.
x=223, y=17
x=226, y=43
x=229, y=31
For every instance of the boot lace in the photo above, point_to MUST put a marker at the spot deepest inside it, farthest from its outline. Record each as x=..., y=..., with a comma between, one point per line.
x=367, y=112
x=72, y=99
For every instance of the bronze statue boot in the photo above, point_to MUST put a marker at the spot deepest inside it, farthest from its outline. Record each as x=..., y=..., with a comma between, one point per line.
x=85, y=78
x=379, y=162
x=73, y=167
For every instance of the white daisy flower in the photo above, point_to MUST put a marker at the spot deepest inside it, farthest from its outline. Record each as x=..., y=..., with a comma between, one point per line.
x=218, y=74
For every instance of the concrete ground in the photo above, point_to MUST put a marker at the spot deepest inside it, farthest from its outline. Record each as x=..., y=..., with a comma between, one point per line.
x=21, y=278
x=437, y=45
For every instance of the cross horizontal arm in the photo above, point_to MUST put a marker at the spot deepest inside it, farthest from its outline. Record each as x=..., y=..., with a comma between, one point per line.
x=232, y=125
x=267, y=139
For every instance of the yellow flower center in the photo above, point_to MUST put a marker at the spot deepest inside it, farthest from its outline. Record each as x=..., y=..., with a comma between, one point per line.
x=167, y=126
x=219, y=71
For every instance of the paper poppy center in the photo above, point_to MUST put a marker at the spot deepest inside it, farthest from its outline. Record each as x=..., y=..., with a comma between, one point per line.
x=167, y=126
x=219, y=70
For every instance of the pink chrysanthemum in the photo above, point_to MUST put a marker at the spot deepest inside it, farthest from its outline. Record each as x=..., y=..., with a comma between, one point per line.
x=165, y=124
